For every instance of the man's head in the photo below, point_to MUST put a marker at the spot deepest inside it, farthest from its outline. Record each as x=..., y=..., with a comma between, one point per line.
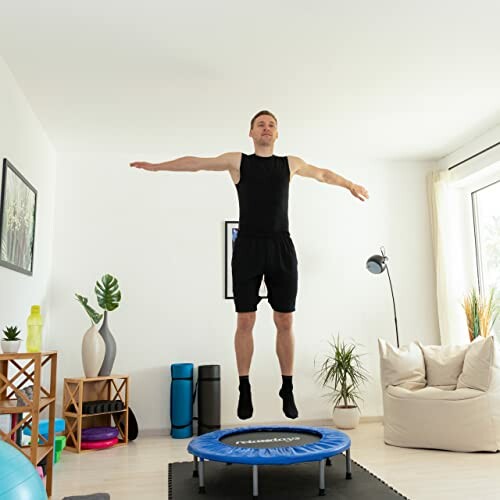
x=264, y=129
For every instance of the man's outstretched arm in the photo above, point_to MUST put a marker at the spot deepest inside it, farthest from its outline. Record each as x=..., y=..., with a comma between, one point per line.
x=300, y=167
x=226, y=161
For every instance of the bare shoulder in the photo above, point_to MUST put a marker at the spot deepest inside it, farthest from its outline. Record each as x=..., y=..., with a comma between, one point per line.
x=295, y=163
x=232, y=160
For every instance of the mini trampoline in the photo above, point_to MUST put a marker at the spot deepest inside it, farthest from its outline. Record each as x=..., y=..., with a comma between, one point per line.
x=270, y=445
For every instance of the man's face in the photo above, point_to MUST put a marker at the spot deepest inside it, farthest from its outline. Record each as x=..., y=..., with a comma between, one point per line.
x=264, y=131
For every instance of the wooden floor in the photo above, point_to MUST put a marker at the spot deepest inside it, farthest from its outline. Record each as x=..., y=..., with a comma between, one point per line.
x=139, y=470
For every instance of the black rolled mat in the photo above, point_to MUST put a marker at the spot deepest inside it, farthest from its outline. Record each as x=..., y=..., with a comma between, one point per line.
x=277, y=482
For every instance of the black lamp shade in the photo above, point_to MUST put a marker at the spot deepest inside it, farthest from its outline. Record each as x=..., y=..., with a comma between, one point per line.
x=376, y=264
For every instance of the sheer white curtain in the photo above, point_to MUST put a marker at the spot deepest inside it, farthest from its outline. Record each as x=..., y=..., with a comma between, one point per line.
x=445, y=211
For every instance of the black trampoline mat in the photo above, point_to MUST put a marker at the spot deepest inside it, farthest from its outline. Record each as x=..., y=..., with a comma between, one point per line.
x=277, y=482
x=270, y=439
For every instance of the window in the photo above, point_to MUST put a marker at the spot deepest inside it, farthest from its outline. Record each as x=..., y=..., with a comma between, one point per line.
x=486, y=214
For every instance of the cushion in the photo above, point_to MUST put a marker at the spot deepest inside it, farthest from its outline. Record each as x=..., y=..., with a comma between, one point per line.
x=443, y=364
x=434, y=393
x=477, y=364
x=402, y=367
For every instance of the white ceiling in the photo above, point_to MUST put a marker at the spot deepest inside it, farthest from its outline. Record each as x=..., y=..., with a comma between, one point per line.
x=383, y=78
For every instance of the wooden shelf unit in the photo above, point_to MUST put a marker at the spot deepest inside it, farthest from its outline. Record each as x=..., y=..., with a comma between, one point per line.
x=80, y=390
x=18, y=371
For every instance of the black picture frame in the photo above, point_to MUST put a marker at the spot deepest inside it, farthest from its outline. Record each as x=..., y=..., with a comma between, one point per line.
x=230, y=235
x=18, y=203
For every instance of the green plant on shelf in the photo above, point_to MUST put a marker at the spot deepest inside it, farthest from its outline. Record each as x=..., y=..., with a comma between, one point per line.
x=11, y=333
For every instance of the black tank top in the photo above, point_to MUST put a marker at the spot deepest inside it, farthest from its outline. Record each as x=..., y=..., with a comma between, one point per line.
x=263, y=194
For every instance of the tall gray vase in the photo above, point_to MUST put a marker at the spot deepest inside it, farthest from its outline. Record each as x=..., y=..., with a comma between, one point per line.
x=109, y=340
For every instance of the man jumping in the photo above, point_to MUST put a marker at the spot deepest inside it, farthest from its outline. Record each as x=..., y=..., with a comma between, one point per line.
x=263, y=248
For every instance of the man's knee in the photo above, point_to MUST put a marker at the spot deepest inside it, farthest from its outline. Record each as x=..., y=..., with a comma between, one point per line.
x=283, y=321
x=246, y=322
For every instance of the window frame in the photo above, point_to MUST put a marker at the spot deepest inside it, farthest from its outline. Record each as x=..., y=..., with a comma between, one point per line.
x=477, y=234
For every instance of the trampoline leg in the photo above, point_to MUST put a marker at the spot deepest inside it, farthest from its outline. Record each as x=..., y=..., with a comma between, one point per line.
x=195, y=471
x=328, y=462
x=255, y=470
x=348, y=472
x=202, y=476
x=322, y=478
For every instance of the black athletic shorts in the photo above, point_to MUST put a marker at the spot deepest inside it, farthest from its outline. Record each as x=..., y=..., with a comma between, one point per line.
x=272, y=257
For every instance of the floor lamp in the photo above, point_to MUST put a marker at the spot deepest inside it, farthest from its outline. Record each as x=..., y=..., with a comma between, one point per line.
x=377, y=264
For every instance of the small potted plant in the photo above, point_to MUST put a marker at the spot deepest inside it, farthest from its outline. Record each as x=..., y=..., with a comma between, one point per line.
x=343, y=373
x=11, y=341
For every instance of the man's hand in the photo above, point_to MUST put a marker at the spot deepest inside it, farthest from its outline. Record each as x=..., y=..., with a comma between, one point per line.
x=358, y=191
x=144, y=165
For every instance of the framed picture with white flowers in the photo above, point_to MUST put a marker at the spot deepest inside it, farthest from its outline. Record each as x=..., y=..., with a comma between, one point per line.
x=17, y=220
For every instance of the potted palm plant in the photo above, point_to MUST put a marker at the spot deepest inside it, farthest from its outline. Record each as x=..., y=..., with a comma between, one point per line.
x=342, y=372
x=11, y=341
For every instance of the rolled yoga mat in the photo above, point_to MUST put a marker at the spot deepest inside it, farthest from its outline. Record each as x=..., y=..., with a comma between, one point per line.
x=208, y=398
x=181, y=400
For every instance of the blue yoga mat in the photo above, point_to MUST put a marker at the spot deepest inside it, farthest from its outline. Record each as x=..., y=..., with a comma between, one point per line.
x=181, y=400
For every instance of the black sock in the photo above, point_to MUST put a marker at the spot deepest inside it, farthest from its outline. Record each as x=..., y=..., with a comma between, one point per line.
x=245, y=408
x=286, y=393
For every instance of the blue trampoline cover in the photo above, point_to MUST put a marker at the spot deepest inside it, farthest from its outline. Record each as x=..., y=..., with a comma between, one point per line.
x=272, y=445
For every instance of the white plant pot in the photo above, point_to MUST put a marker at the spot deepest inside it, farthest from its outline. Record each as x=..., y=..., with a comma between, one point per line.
x=11, y=346
x=93, y=351
x=346, y=417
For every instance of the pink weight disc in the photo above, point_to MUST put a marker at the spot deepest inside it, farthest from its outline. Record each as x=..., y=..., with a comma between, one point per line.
x=98, y=445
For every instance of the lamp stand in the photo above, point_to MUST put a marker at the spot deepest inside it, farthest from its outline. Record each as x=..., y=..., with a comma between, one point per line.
x=393, y=305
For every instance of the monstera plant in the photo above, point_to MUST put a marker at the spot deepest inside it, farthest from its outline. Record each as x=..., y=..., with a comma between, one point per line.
x=93, y=314
x=99, y=351
x=108, y=293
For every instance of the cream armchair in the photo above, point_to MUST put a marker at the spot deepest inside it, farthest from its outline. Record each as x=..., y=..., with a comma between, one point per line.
x=442, y=397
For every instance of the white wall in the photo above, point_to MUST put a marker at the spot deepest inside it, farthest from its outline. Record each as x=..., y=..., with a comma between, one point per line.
x=162, y=235
x=24, y=143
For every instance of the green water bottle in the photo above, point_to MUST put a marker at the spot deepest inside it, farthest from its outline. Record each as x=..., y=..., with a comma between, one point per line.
x=35, y=324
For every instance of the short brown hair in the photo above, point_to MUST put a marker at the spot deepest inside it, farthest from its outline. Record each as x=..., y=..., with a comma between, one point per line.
x=260, y=113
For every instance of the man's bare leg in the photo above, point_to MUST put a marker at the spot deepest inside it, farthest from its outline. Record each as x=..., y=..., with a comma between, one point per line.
x=243, y=342
x=284, y=341
x=243, y=345
x=285, y=352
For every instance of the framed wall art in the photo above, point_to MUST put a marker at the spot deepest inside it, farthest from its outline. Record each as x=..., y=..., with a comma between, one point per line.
x=17, y=220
